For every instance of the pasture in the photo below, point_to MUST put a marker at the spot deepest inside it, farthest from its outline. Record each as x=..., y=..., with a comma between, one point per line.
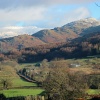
x=18, y=82
x=21, y=92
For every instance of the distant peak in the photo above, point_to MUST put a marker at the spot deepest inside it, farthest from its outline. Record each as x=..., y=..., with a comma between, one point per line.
x=85, y=23
x=89, y=19
x=85, y=19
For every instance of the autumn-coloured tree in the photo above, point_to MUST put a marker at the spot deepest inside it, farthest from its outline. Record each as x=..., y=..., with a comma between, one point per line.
x=62, y=85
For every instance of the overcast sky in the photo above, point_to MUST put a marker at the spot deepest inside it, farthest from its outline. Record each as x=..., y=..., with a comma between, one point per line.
x=46, y=13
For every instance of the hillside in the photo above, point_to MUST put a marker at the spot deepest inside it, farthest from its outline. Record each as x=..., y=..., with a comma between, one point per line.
x=69, y=31
x=82, y=26
x=19, y=42
x=88, y=45
x=55, y=35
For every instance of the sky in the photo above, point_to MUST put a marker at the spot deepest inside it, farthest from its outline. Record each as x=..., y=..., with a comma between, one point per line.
x=45, y=13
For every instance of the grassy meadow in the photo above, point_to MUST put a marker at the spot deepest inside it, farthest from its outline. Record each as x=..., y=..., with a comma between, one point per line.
x=22, y=92
x=18, y=82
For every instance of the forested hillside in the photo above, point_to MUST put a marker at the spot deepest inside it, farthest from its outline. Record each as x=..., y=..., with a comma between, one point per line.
x=87, y=45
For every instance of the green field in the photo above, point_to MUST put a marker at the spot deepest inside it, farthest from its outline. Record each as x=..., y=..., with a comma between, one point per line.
x=34, y=92
x=18, y=82
x=93, y=91
x=21, y=92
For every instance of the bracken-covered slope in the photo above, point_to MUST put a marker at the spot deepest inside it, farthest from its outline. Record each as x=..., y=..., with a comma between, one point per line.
x=87, y=45
x=19, y=42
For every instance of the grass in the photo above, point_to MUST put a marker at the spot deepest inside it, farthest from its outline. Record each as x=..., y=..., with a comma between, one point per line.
x=34, y=92
x=18, y=82
x=21, y=92
x=93, y=91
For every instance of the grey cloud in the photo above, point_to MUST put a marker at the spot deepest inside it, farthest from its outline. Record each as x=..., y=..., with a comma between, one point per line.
x=29, y=3
x=22, y=14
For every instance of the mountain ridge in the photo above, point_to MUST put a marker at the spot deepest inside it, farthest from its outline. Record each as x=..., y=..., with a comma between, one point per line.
x=69, y=31
x=65, y=33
